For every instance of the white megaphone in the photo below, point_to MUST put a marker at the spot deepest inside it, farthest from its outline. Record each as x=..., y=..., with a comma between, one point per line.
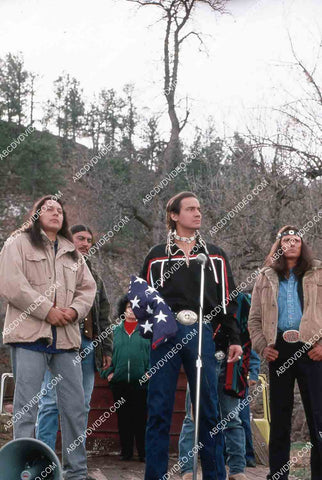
x=29, y=459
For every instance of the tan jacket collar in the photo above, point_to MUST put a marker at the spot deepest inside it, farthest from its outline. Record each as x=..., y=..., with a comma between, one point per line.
x=45, y=237
x=64, y=245
x=316, y=264
x=272, y=277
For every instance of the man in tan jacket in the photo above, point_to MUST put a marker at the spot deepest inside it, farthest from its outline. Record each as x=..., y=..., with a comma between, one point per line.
x=47, y=298
x=285, y=323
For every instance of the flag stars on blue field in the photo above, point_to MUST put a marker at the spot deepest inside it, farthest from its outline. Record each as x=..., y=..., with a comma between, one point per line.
x=149, y=310
x=158, y=299
x=150, y=290
x=139, y=280
x=135, y=302
x=155, y=317
x=147, y=326
x=161, y=317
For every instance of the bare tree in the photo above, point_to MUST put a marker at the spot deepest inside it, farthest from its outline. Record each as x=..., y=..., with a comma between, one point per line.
x=176, y=15
x=300, y=120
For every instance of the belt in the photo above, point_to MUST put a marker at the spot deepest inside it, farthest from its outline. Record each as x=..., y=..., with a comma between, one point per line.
x=186, y=317
x=220, y=355
x=291, y=336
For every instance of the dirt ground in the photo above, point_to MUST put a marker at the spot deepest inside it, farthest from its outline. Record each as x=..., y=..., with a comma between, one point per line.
x=111, y=468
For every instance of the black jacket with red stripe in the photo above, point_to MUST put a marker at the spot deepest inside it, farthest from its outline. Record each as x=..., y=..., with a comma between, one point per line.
x=179, y=284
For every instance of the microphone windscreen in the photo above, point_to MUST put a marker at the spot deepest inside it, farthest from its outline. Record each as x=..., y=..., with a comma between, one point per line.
x=202, y=259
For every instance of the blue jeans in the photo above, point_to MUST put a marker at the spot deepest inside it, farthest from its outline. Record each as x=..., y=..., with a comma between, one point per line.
x=244, y=415
x=30, y=367
x=187, y=435
x=47, y=421
x=161, y=394
x=233, y=433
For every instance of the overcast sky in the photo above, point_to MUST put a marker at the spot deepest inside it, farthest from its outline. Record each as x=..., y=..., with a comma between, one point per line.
x=107, y=43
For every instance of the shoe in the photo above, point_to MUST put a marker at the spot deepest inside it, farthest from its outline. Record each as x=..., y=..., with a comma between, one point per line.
x=187, y=476
x=251, y=463
x=142, y=459
x=237, y=476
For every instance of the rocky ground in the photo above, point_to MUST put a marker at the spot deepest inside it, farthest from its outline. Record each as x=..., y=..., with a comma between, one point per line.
x=112, y=468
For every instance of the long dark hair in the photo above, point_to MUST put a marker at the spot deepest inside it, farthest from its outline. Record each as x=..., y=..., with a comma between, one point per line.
x=277, y=261
x=32, y=225
x=174, y=205
x=80, y=228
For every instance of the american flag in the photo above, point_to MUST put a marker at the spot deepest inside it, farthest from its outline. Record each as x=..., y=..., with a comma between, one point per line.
x=155, y=317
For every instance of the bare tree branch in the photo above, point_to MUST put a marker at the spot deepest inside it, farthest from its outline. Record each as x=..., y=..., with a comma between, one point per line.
x=309, y=77
x=188, y=35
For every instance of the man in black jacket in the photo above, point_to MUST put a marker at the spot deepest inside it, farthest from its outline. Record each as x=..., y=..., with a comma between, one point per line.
x=98, y=320
x=172, y=269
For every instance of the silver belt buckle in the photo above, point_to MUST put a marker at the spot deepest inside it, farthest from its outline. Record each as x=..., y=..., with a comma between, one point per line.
x=291, y=336
x=220, y=355
x=187, y=317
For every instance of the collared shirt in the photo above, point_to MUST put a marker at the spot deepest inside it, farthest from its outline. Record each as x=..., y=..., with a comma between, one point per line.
x=289, y=304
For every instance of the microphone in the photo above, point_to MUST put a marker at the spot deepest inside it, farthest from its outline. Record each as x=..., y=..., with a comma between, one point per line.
x=202, y=259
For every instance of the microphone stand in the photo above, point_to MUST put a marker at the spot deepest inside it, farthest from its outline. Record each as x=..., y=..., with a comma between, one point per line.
x=202, y=259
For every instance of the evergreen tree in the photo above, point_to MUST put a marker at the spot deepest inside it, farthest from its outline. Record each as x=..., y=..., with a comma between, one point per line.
x=68, y=107
x=13, y=88
x=111, y=106
x=38, y=165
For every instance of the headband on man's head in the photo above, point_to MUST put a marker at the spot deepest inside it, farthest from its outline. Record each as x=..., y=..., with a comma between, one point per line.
x=288, y=232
